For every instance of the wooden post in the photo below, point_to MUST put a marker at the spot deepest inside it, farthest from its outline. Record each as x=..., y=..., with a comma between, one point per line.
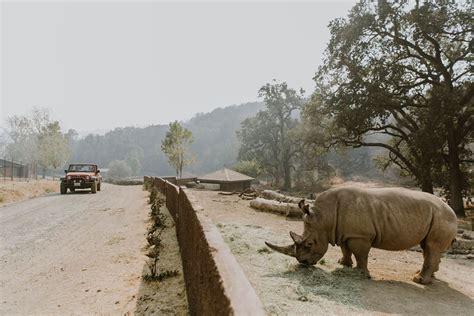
x=12, y=169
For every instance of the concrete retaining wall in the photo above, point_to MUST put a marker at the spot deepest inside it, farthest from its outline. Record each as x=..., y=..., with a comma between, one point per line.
x=172, y=192
x=215, y=283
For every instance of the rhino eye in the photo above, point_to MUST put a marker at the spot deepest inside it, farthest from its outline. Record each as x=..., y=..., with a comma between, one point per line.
x=310, y=244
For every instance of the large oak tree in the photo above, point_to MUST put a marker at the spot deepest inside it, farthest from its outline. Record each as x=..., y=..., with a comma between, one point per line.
x=403, y=70
x=270, y=137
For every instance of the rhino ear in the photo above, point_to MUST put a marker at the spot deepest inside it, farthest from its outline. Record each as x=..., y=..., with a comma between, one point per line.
x=296, y=238
x=304, y=207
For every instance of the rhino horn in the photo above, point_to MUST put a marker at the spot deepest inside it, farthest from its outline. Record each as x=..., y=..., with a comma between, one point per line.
x=296, y=238
x=286, y=250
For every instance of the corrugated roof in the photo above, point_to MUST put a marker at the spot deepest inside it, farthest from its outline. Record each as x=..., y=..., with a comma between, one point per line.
x=225, y=175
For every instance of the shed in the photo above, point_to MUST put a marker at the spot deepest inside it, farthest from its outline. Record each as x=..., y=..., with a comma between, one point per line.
x=228, y=179
x=13, y=169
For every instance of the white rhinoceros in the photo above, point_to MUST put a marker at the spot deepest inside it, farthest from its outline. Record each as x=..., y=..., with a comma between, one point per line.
x=357, y=219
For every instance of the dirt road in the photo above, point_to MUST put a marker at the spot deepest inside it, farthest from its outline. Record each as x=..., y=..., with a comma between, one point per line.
x=75, y=253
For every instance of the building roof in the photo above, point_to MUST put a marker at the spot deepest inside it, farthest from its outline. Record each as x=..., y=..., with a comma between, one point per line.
x=225, y=175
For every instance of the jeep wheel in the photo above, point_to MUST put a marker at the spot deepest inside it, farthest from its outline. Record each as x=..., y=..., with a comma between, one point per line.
x=98, y=186
x=63, y=189
x=94, y=187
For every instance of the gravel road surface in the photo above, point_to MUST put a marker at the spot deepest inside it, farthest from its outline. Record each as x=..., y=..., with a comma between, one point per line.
x=76, y=253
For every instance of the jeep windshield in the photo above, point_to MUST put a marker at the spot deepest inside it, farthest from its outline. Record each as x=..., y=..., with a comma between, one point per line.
x=82, y=168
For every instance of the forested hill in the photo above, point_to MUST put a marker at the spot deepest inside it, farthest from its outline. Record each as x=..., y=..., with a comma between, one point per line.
x=215, y=142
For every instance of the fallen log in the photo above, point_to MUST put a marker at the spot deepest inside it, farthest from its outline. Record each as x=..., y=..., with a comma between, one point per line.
x=273, y=195
x=282, y=208
x=227, y=193
x=248, y=191
x=248, y=197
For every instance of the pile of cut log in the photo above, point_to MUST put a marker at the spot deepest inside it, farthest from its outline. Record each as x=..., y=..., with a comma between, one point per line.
x=271, y=201
x=275, y=202
x=247, y=194
x=272, y=206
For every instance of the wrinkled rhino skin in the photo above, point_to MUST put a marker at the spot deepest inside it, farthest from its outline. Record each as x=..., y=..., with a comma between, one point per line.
x=357, y=219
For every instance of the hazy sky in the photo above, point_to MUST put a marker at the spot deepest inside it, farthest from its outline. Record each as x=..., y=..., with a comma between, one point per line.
x=108, y=64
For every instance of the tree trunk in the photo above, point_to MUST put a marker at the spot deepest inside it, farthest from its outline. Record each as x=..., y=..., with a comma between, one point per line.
x=427, y=186
x=276, y=180
x=426, y=181
x=287, y=176
x=455, y=178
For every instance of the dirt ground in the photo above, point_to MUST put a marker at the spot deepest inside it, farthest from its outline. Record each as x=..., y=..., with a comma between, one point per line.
x=82, y=254
x=169, y=296
x=285, y=287
x=15, y=191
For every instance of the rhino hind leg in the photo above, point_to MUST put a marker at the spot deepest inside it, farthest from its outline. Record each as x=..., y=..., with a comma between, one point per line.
x=431, y=261
x=346, y=259
x=360, y=248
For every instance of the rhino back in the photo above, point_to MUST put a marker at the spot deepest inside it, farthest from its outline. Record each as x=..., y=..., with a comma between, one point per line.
x=392, y=218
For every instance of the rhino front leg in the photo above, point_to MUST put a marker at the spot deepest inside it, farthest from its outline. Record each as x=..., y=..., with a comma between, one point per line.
x=360, y=248
x=346, y=259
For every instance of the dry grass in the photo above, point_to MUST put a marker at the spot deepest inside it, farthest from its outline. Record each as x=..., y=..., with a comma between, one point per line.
x=15, y=191
x=287, y=287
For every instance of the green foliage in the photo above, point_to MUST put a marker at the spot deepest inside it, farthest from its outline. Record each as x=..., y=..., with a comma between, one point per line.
x=153, y=194
x=158, y=220
x=35, y=138
x=402, y=70
x=215, y=142
x=53, y=146
x=175, y=146
x=22, y=139
x=118, y=169
x=270, y=138
x=134, y=157
x=161, y=276
x=249, y=167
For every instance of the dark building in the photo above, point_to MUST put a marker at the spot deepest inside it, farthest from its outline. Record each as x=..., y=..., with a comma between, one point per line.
x=229, y=180
x=10, y=169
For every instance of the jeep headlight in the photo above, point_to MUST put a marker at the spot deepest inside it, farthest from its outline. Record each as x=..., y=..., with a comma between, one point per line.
x=87, y=177
x=68, y=177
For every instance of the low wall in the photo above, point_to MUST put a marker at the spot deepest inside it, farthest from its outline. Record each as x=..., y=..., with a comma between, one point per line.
x=180, y=181
x=215, y=283
x=172, y=193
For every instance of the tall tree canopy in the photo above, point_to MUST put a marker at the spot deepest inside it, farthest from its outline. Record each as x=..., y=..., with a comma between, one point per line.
x=175, y=146
x=53, y=146
x=402, y=69
x=35, y=138
x=270, y=137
